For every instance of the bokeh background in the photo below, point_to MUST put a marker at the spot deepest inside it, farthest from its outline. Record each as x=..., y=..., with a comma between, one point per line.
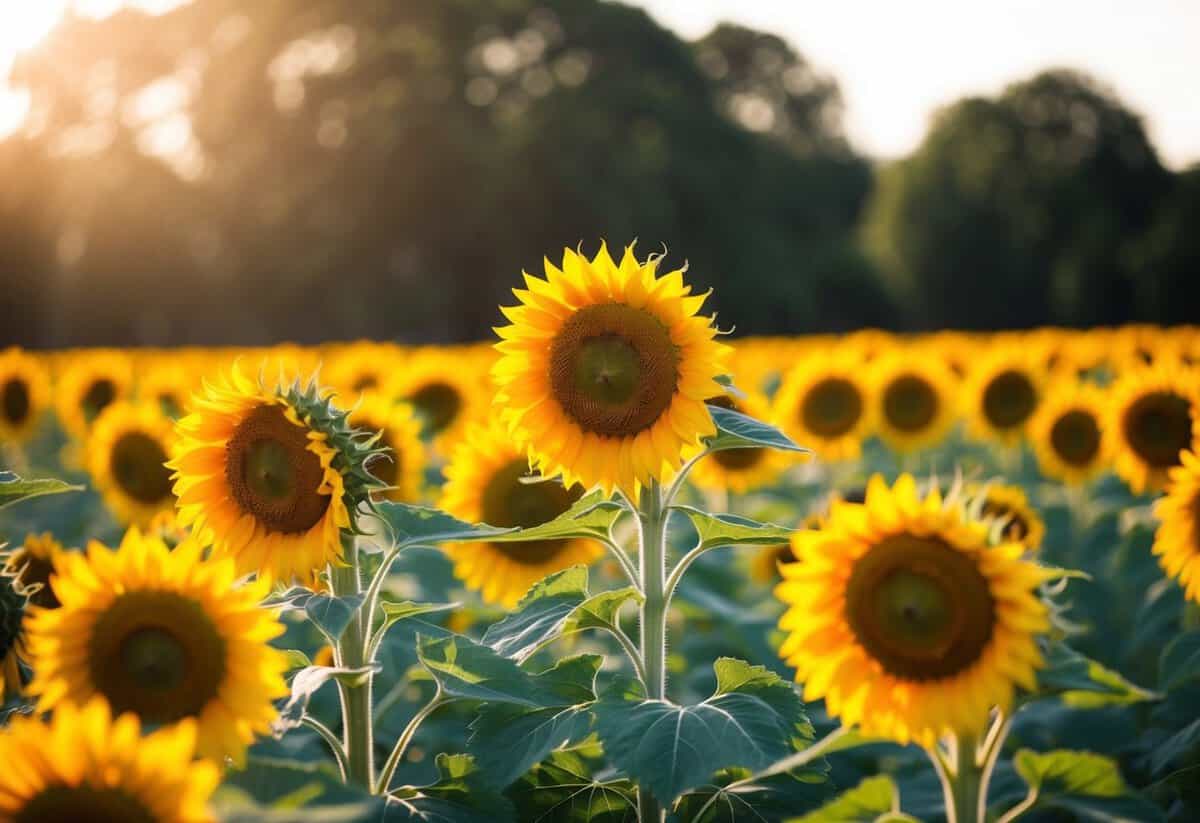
x=252, y=171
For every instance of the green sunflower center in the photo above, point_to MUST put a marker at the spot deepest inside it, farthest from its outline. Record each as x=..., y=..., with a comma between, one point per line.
x=1075, y=437
x=1009, y=399
x=83, y=804
x=614, y=369
x=14, y=400
x=509, y=502
x=1016, y=526
x=909, y=403
x=832, y=407
x=98, y=396
x=137, y=464
x=438, y=405
x=157, y=654
x=919, y=607
x=1158, y=426
x=271, y=473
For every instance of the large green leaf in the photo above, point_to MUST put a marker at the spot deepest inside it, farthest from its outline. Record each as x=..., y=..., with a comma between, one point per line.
x=590, y=517
x=717, y=530
x=562, y=789
x=874, y=799
x=1180, y=661
x=738, y=431
x=1083, y=683
x=1181, y=744
x=1085, y=784
x=753, y=719
x=332, y=614
x=458, y=796
x=736, y=796
x=420, y=525
x=13, y=489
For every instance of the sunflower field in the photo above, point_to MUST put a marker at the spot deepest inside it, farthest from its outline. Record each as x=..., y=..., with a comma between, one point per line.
x=616, y=565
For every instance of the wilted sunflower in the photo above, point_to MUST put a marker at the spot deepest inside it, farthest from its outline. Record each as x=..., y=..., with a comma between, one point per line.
x=1002, y=393
x=444, y=391
x=487, y=481
x=89, y=383
x=1067, y=432
x=1153, y=415
x=605, y=369
x=30, y=567
x=1177, y=541
x=824, y=403
x=1008, y=507
x=12, y=638
x=24, y=394
x=402, y=467
x=269, y=476
x=740, y=470
x=83, y=765
x=906, y=620
x=126, y=456
x=915, y=393
x=164, y=634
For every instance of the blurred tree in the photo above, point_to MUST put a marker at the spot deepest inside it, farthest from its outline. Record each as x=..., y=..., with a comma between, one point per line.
x=1169, y=290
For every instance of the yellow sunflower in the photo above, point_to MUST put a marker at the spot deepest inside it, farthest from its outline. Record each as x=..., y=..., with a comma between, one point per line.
x=915, y=394
x=825, y=404
x=487, y=481
x=166, y=385
x=1177, y=541
x=88, y=384
x=30, y=567
x=24, y=394
x=904, y=618
x=126, y=456
x=605, y=369
x=1153, y=416
x=1008, y=507
x=740, y=470
x=259, y=479
x=445, y=392
x=1067, y=432
x=166, y=635
x=12, y=638
x=360, y=368
x=402, y=467
x=82, y=765
x=1002, y=393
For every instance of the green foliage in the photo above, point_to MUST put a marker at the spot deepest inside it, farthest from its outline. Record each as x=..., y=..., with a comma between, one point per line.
x=305, y=684
x=739, y=431
x=563, y=788
x=592, y=516
x=1085, y=784
x=406, y=525
x=874, y=800
x=1082, y=683
x=717, y=530
x=13, y=489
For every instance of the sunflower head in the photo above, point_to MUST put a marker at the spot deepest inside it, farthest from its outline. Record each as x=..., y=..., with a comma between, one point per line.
x=445, y=393
x=89, y=384
x=1177, y=541
x=126, y=455
x=824, y=402
x=915, y=393
x=1154, y=416
x=84, y=765
x=30, y=567
x=24, y=394
x=1003, y=391
x=1067, y=432
x=1007, y=509
x=906, y=619
x=166, y=385
x=605, y=368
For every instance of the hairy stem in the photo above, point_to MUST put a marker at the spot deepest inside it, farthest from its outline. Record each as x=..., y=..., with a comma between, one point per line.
x=357, y=728
x=652, y=519
x=406, y=736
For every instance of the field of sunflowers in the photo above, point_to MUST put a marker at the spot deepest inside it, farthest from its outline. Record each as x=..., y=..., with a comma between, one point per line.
x=617, y=566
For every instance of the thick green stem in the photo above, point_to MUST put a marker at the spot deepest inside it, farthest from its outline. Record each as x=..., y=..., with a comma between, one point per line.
x=652, y=517
x=357, y=728
x=962, y=781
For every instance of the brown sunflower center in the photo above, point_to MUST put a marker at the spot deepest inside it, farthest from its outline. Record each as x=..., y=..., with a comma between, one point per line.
x=99, y=395
x=83, y=804
x=156, y=654
x=168, y=401
x=1075, y=437
x=1158, y=426
x=31, y=570
x=271, y=473
x=909, y=403
x=438, y=405
x=832, y=407
x=1008, y=399
x=14, y=400
x=509, y=502
x=136, y=463
x=1016, y=526
x=919, y=607
x=364, y=382
x=12, y=609
x=614, y=369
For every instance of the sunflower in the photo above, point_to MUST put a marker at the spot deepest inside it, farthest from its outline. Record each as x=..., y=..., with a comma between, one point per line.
x=164, y=634
x=824, y=403
x=89, y=383
x=12, y=639
x=82, y=765
x=444, y=391
x=1002, y=393
x=739, y=470
x=1177, y=541
x=1153, y=417
x=126, y=456
x=269, y=476
x=24, y=394
x=30, y=568
x=915, y=395
x=904, y=618
x=360, y=368
x=605, y=369
x=1067, y=432
x=1008, y=507
x=166, y=384
x=487, y=480
x=402, y=467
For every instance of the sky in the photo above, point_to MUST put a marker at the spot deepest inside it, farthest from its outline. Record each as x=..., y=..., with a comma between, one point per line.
x=898, y=62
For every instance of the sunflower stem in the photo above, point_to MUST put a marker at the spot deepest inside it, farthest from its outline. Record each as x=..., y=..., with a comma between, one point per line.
x=357, y=728
x=406, y=736
x=962, y=781
x=652, y=519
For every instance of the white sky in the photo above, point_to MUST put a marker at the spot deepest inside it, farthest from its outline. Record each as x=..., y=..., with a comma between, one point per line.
x=897, y=62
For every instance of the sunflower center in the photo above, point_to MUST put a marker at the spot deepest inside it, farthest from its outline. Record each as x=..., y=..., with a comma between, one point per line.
x=136, y=463
x=832, y=407
x=509, y=502
x=170, y=405
x=614, y=369
x=12, y=609
x=1009, y=399
x=909, y=403
x=83, y=804
x=1015, y=528
x=1075, y=437
x=1158, y=427
x=156, y=654
x=438, y=404
x=919, y=607
x=366, y=381
x=30, y=570
x=271, y=473
x=98, y=395
x=14, y=400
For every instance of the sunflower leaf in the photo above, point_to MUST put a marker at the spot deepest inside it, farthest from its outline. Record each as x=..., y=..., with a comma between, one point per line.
x=590, y=517
x=411, y=525
x=870, y=800
x=460, y=795
x=13, y=489
x=1082, y=683
x=562, y=787
x=732, y=530
x=1180, y=661
x=305, y=684
x=739, y=431
x=332, y=614
x=396, y=610
x=1086, y=785
x=753, y=719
